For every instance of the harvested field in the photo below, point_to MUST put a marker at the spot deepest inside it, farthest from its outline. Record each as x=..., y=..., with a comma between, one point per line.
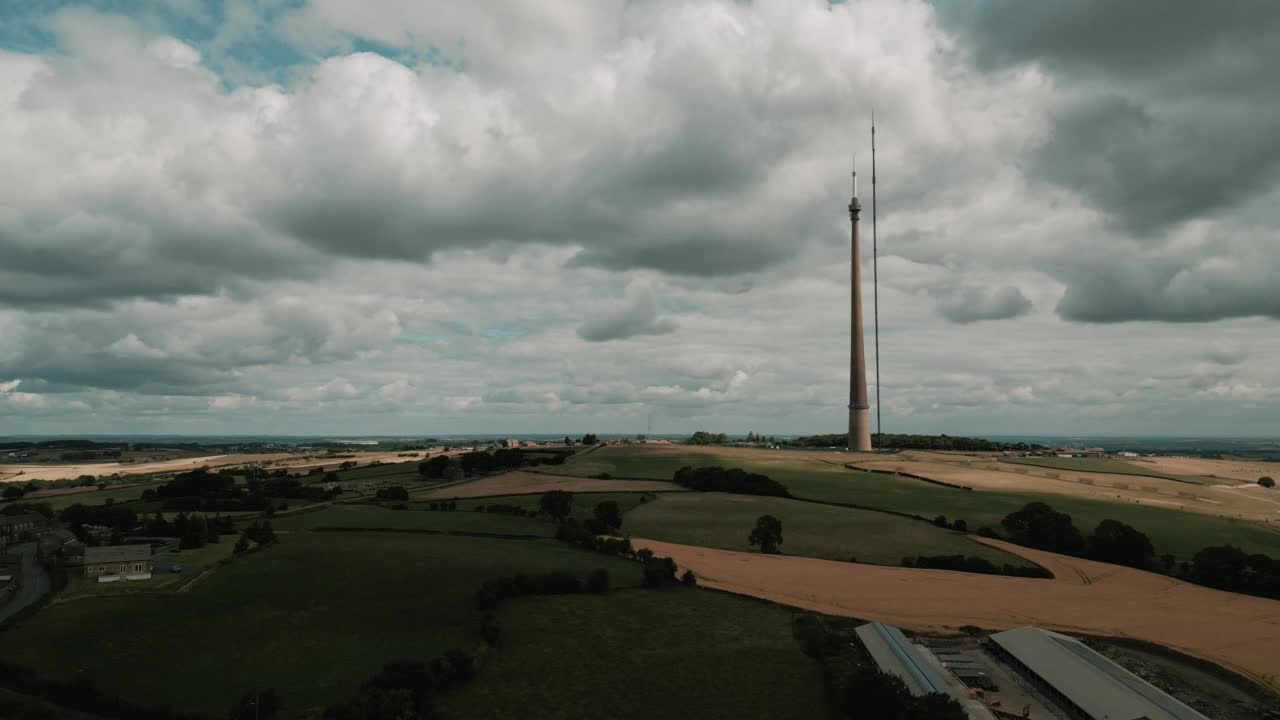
x=24, y=473
x=1237, y=631
x=1242, y=470
x=1206, y=499
x=522, y=483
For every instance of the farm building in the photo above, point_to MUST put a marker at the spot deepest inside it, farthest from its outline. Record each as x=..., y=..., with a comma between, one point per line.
x=973, y=676
x=894, y=654
x=897, y=656
x=1083, y=682
x=110, y=563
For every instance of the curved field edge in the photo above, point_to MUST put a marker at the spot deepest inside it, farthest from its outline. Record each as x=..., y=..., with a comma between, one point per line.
x=810, y=529
x=1236, y=631
x=820, y=476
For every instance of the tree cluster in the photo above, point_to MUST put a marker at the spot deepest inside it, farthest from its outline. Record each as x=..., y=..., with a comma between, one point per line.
x=703, y=437
x=1227, y=567
x=868, y=693
x=558, y=504
x=443, y=505
x=974, y=564
x=201, y=490
x=406, y=689
x=192, y=531
x=590, y=439
x=260, y=533
x=117, y=517
x=494, y=591
x=1267, y=481
x=394, y=492
x=914, y=442
x=733, y=480
x=504, y=509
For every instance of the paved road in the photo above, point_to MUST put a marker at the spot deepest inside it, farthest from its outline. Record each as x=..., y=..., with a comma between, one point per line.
x=35, y=581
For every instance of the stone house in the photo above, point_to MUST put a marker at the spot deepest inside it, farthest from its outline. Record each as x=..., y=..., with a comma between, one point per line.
x=110, y=563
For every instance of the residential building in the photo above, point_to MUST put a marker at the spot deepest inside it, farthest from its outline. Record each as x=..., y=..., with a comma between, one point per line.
x=511, y=443
x=110, y=563
x=19, y=528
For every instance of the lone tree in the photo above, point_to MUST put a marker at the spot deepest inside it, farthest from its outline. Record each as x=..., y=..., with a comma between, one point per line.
x=609, y=515
x=767, y=534
x=1266, y=481
x=557, y=503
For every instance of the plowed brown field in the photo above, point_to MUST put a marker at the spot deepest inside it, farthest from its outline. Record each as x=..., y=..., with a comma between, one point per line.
x=1236, y=631
x=519, y=483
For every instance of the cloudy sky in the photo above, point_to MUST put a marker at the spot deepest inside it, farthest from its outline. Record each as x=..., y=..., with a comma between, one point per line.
x=420, y=217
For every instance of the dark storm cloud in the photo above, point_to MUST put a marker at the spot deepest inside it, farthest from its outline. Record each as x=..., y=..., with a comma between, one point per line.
x=1176, y=98
x=973, y=304
x=1132, y=288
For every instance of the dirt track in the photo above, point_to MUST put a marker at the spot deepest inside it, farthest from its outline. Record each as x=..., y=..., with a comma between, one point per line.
x=518, y=483
x=1236, y=631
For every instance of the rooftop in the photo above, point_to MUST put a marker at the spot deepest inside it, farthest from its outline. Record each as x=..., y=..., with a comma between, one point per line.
x=894, y=654
x=1096, y=685
x=116, y=553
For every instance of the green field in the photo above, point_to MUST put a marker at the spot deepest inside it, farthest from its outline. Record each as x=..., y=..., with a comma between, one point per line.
x=311, y=617
x=1102, y=465
x=23, y=707
x=373, y=516
x=640, y=654
x=583, y=503
x=1170, y=530
x=59, y=500
x=636, y=461
x=722, y=520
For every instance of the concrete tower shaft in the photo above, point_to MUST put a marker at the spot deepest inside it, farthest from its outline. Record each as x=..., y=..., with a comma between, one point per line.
x=859, y=409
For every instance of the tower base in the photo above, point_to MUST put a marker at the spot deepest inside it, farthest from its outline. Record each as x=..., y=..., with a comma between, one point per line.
x=860, y=430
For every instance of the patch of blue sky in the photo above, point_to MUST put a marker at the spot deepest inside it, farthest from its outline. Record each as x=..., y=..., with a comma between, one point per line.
x=505, y=333
x=676, y=305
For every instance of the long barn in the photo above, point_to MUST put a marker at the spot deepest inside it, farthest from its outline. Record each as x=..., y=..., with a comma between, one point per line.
x=1083, y=682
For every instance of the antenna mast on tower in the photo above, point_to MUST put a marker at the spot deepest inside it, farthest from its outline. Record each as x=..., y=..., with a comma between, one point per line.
x=875, y=277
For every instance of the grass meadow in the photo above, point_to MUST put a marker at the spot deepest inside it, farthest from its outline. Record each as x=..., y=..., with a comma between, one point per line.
x=1171, y=531
x=640, y=654
x=721, y=520
x=373, y=516
x=311, y=617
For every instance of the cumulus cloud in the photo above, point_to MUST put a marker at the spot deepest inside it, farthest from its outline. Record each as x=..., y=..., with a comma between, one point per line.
x=433, y=236
x=636, y=316
x=972, y=303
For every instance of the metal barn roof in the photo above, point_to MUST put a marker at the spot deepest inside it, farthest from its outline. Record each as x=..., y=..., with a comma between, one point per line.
x=894, y=654
x=1096, y=685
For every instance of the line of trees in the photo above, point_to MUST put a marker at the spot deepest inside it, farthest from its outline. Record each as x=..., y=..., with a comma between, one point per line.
x=974, y=564
x=703, y=437
x=901, y=441
x=733, y=480
x=1224, y=567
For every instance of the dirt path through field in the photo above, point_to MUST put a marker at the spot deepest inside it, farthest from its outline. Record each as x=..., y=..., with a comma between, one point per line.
x=1236, y=631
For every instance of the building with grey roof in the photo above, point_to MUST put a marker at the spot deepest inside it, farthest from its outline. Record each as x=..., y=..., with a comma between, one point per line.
x=113, y=562
x=894, y=654
x=1083, y=682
